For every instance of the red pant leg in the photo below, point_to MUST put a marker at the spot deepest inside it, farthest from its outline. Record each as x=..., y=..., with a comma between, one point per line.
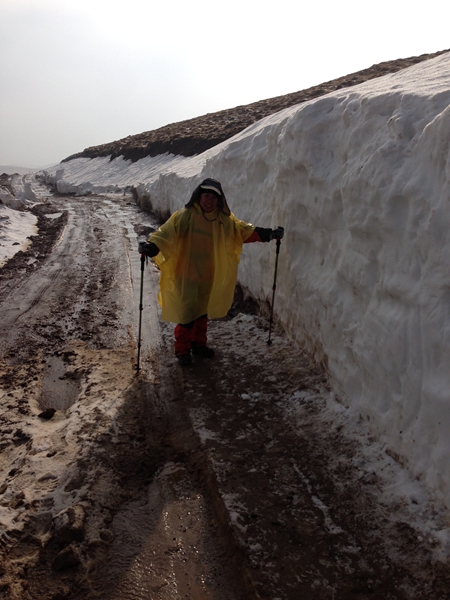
x=183, y=338
x=199, y=331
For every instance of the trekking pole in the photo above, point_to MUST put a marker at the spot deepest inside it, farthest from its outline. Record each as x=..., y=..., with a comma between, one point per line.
x=140, y=310
x=274, y=287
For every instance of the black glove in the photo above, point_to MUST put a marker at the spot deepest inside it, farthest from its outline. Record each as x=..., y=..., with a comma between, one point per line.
x=277, y=234
x=148, y=248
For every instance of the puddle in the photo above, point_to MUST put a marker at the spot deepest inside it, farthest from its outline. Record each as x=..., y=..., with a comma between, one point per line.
x=60, y=387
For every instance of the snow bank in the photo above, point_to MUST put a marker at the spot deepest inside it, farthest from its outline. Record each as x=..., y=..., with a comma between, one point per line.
x=28, y=189
x=23, y=192
x=102, y=175
x=17, y=193
x=15, y=228
x=360, y=180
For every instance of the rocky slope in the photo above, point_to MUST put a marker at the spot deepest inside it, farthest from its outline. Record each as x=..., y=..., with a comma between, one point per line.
x=194, y=136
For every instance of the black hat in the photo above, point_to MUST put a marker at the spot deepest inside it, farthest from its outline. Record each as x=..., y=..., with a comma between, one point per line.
x=212, y=185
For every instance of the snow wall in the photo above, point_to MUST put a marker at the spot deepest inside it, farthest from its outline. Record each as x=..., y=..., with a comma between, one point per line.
x=360, y=181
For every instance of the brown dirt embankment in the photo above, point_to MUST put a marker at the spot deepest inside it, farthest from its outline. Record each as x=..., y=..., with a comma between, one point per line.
x=197, y=135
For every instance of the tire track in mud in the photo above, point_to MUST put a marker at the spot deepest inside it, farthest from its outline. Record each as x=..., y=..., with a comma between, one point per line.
x=42, y=290
x=170, y=540
x=52, y=280
x=42, y=463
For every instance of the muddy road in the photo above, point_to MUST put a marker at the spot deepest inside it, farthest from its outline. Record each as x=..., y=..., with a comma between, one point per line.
x=238, y=478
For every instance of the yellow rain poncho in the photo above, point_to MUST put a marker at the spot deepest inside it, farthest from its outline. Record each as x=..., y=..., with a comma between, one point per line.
x=199, y=257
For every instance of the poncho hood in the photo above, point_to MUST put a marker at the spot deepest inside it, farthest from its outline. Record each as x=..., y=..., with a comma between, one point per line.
x=212, y=186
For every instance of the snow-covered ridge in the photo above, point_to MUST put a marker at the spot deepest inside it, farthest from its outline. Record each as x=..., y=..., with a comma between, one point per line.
x=360, y=180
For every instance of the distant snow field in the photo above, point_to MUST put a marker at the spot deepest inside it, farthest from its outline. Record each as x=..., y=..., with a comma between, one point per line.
x=360, y=180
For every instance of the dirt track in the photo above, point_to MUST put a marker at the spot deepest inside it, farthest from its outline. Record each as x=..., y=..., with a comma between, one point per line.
x=240, y=477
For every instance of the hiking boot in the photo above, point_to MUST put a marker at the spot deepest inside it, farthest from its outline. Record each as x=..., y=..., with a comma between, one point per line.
x=202, y=351
x=184, y=359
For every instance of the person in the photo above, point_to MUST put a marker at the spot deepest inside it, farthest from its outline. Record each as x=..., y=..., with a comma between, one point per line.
x=197, y=250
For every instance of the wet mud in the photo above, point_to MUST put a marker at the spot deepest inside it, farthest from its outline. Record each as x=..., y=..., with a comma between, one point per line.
x=239, y=477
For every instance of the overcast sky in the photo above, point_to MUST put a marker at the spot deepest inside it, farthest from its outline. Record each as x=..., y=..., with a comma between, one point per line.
x=77, y=73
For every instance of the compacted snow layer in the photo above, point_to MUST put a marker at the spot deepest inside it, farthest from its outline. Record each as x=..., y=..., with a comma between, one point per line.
x=17, y=193
x=15, y=228
x=360, y=180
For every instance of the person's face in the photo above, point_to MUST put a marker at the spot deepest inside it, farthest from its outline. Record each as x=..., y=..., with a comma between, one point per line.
x=208, y=201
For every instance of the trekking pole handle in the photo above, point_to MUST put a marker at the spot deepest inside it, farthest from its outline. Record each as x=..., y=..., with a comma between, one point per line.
x=277, y=234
